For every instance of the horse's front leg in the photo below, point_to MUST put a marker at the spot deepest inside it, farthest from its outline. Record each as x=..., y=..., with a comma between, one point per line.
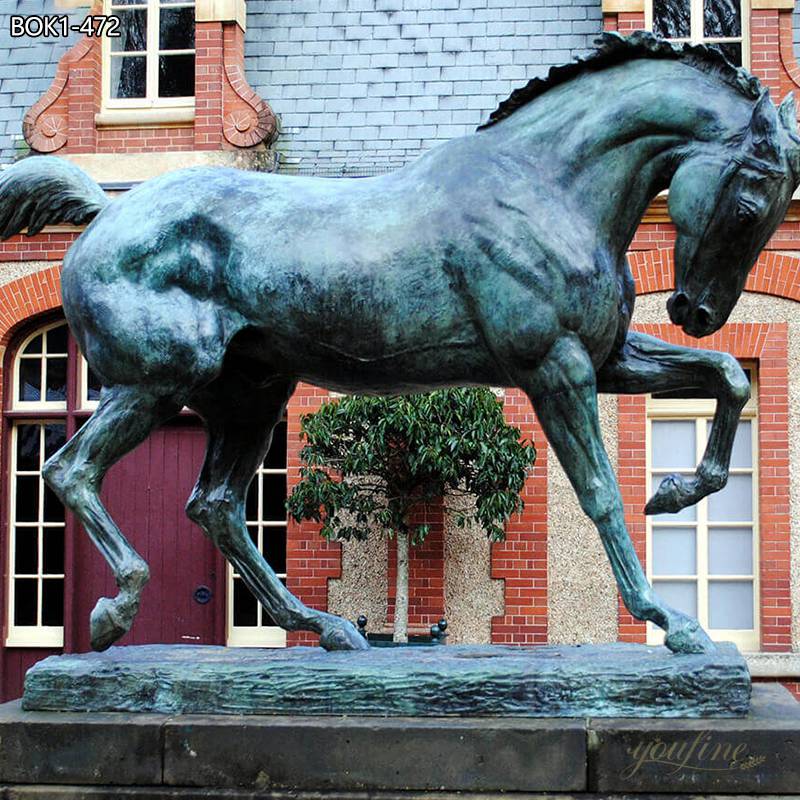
x=646, y=364
x=563, y=391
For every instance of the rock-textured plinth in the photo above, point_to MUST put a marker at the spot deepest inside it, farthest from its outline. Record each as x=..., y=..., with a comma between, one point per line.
x=614, y=680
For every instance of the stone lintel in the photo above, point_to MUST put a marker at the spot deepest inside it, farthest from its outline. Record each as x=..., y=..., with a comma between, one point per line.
x=623, y=6
x=781, y=5
x=136, y=167
x=222, y=11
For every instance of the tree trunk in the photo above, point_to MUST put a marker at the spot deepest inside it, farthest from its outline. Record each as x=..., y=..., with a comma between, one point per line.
x=401, y=590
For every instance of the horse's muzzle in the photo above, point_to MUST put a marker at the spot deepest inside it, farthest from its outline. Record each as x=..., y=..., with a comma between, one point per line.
x=696, y=320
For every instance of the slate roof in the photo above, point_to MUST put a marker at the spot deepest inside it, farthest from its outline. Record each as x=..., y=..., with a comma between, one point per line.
x=27, y=67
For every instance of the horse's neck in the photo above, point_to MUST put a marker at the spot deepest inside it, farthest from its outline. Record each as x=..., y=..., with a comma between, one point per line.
x=611, y=140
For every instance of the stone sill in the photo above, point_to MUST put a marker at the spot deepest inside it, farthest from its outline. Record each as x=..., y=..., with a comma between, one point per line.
x=144, y=117
x=773, y=665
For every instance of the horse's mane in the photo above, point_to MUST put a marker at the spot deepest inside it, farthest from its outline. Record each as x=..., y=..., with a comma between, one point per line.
x=611, y=49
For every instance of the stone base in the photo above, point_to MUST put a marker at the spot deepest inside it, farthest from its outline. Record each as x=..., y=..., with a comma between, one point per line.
x=617, y=680
x=87, y=756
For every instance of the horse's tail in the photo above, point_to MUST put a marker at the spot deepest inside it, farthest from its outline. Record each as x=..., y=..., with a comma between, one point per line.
x=45, y=190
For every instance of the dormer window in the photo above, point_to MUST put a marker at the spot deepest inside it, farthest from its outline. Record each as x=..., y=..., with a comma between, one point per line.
x=152, y=61
x=722, y=23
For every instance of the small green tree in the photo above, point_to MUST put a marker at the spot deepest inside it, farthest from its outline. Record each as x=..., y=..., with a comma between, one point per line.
x=376, y=458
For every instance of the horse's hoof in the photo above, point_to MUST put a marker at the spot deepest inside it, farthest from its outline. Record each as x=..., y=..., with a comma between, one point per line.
x=105, y=626
x=689, y=638
x=342, y=635
x=673, y=495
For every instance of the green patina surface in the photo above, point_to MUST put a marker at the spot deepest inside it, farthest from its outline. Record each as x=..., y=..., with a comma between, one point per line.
x=494, y=259
x=614, y=680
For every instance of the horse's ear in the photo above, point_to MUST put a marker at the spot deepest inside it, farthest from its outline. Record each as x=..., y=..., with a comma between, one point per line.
x=787, y=111
x=763, y=137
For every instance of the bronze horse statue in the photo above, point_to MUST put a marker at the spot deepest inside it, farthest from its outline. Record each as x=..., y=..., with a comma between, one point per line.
x=497, y=258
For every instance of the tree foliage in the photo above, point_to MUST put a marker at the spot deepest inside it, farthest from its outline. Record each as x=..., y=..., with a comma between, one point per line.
x=376, y=458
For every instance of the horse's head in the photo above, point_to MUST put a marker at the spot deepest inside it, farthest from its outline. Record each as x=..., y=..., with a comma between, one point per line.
x=726, y=205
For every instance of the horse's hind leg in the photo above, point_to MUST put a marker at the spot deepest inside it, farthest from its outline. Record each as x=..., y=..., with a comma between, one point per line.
x=123, y=419
x=564, y=395
x=240, y=422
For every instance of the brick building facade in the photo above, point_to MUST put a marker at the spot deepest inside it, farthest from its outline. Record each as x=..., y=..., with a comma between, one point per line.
x=354, y=88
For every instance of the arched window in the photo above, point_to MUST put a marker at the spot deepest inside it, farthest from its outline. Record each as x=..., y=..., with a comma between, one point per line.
x=723, y=23
x=38, y=428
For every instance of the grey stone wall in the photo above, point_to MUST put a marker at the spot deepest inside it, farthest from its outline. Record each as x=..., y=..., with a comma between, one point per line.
x=27, y=67
x=363, y=86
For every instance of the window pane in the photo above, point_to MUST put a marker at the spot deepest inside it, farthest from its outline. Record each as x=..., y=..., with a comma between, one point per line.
x=53, y=509
x=30, y=379
x=731, y=50
x=27, y=498
x=176, y=76
x=26, y=551
x=128, y=77
x=252, y=531
x=730, y=551
x=245, y=607
x=53, y=601
x=681, y=595
x=673, y=444
x=53, y=551
x=25, y=599
x=132, y=30
x=730, y=605
x=275, y=548
x=28, y=448
x=176, y=29
x=742, y=455
x=674, y=551
x=276, y=457
x=57, y=340
x=93, y=384
x=266, y=619
x=671, y=18
x=56, y=379
x=55, y=436
x=35, y=345
x=722, y=18
x=251, y=505
x=688, y=514
x=734, y=503
x=274, y=499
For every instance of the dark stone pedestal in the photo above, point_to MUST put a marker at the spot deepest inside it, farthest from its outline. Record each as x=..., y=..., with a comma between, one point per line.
x=612, y=680
x=89, y=756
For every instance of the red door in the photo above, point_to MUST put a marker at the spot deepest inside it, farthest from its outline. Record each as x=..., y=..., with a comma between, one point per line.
x=145, y=493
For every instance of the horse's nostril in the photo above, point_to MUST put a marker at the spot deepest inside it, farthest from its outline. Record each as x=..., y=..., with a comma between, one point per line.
x=678, y=307
x=704, y=317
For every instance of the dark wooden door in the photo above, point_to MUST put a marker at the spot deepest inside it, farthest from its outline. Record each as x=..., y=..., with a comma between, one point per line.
x=146, y=493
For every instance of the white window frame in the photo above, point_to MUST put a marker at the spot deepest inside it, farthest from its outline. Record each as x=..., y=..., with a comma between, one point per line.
x=701, y=411
x=258, y=635
x=30, y=635
x=42, y=404
x=151, y=100
x=696, y=33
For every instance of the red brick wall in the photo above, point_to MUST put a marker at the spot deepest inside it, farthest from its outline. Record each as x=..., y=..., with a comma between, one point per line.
x=425, y=573
x=310, y=559
x=521, y=560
